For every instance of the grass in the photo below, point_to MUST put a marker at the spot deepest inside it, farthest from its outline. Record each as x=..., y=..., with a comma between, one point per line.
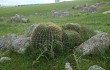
x=94, y=21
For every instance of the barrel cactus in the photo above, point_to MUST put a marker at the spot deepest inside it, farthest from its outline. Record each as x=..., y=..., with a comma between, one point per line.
x=71, y=39
x=83, y=31
x=48, y=38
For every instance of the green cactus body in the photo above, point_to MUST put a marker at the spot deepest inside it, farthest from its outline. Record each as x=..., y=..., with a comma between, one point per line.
x=83, y=31
x=72, y=39
x=47, y=37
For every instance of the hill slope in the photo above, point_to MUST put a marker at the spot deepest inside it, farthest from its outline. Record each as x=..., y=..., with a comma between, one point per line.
x=95, y=21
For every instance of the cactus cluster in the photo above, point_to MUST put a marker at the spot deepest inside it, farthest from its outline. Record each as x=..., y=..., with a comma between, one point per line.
x=83, y=31
x=47, y=37
x=72, y=39
x=50, y=39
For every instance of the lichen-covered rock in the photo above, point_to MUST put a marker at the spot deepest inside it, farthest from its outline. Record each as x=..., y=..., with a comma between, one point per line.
x=12, y=41
x=94, y=44
x=30, y=30
x=25, y=20
x=20, y=44
x=1, y=18
x=96, y=67
x=106, y=12
x=6, y=41
x=18, y=18
x=2, y=59
x=58, y=14
x=68, y=66
x=92, y=9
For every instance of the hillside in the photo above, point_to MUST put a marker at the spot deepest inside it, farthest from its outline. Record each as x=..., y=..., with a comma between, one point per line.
x=93, y=21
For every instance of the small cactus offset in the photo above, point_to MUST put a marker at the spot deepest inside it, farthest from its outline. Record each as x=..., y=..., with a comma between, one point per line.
x=71, y=39
x=83, y=31
x=47, y=37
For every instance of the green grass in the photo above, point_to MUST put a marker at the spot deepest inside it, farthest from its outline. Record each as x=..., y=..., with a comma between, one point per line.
x=95, y=21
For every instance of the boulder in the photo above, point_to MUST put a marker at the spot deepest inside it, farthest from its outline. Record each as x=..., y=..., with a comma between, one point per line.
x=30, y=30
x=67, y=66
x=62, y=13
x=106, y=12
x=94, y=44
x=20, y=44
x=95, y=67
x=92, y=9
x=12, y=41
x=25, y=20
x=18, y=18
x=2, y=59
x=1, y=18
x=6, y=41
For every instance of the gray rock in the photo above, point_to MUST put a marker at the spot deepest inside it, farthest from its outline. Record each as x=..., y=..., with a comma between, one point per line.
x=55, y=14
x=86, y=5
x=58, y=14
x=96, y=67
x=106, y=12
x=18, y=18
x=30, y=30
x=21, y=44
x=67, y=66
x=94, y=44
x=17, y=43
x=92, y=9
x=1, y=18
x=97, y=4
x=6, y=41
x=77, y=7
x=25, y=20
x=2, y=59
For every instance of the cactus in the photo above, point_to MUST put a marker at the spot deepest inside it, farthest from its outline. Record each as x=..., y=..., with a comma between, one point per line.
x=47, y=37
x=83, y=31
x=71, y=39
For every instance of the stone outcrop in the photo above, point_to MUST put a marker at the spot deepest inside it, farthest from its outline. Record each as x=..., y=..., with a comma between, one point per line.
x=94, y=44
x=95, y=67
x=30, y=30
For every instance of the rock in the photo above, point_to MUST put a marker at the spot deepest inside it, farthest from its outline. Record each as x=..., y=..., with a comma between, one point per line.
x=20, y=44
x=92, y=9
x=67, y=66
x=1, y=18
x=77, y=7
x=94, y=44
x=85, y=5
x=6, y=41
x=64, y=13
x=18, y=18
x=57, y=14
x=30, y=30
x=39, y=14
x=25, y=20
x=17, y=43
x=96, y=67
x=106, y=12
x=97, y=4
x=2, y=59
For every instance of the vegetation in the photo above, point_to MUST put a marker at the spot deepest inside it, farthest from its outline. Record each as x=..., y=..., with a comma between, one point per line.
x=94, y=21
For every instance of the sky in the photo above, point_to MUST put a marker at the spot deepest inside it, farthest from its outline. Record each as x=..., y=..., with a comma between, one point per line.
x=22, y=2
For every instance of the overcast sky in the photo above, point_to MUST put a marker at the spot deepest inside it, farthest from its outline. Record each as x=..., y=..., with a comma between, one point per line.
x=19, y=2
